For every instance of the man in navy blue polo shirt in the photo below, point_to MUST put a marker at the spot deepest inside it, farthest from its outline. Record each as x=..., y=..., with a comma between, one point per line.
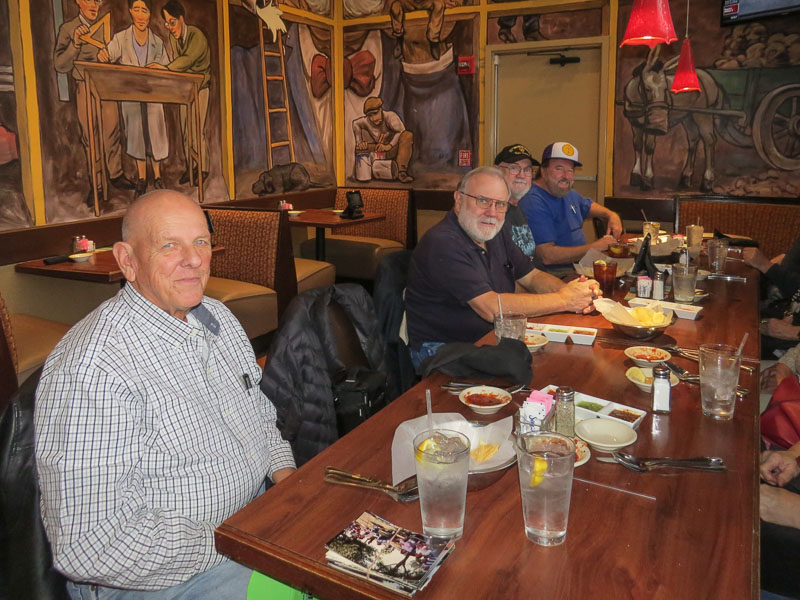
x=556, y=212
x=464, y=263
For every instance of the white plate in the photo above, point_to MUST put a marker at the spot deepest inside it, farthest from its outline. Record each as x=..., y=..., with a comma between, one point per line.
x=294, y=213
x=702, y=274
x=648, y=372
x=658, y=355
x=535, y=341
x=503, y=395
x=338, y=211
x=80, y=256
x=700, y=295
x=605, y=435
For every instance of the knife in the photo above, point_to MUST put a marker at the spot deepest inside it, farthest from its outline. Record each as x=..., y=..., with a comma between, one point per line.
x=724, y=277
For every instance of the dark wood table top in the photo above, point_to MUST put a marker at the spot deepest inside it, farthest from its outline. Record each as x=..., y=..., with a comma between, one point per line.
x=101, y=267
x=630, y=535
x=329, y=219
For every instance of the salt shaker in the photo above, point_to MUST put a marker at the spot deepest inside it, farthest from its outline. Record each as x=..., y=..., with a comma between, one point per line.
x=658, y=285
x=565, y=411
x=661, y=389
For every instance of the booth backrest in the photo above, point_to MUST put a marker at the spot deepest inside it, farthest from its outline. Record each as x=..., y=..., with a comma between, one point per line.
x=395, y=204
x=663, y=210
x=773, y=222
x=258, y=249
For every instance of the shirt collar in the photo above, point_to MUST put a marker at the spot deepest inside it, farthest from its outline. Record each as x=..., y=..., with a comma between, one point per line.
x=166, y=326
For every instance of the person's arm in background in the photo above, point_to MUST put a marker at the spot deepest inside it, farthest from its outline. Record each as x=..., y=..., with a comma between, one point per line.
x=613, y=222
x=778, y=505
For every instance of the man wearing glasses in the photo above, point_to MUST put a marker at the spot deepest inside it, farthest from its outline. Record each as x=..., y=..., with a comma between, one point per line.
x=465, y=263
x=517, y=164
x=556, y=212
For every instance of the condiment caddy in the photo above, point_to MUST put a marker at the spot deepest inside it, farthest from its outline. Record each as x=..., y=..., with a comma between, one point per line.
x=604, y=408
x=583, y=336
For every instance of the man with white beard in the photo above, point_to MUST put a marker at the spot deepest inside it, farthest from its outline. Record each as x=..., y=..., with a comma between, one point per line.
x=467, y=262
x=556, y=212
x=517, y=164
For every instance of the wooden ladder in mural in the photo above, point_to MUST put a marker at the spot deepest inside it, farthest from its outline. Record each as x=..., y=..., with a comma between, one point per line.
x=282, y=109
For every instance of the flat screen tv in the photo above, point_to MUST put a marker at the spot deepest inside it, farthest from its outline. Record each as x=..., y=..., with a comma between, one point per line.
x=735, y=11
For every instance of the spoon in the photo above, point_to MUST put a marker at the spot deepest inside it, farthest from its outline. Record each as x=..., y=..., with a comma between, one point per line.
x=701, y=463
x=405, y=491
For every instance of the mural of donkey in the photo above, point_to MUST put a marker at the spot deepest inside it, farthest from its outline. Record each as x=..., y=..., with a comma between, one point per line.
x=652, y=110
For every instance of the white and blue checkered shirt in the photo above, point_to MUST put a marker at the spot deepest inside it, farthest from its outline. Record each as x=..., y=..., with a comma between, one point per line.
x=150, y=431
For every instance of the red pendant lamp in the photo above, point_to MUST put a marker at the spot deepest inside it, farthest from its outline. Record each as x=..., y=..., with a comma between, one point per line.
x=650, y=24
x=685, y=75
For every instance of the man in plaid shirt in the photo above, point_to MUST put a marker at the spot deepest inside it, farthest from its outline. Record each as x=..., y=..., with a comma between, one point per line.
x=151, y=428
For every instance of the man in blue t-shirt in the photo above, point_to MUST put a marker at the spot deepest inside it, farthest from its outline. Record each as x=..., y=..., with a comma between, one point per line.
x=467, y=261
x=556, y=212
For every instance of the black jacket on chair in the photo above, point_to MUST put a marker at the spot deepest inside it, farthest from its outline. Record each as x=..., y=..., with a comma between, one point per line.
x=302, y=358
x=26, y=563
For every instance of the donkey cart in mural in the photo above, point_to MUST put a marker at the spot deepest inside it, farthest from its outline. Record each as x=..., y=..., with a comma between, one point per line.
x=749, y=108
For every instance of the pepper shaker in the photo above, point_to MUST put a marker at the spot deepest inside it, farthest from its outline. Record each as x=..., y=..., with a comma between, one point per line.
x=661, y=389
x=565, y=411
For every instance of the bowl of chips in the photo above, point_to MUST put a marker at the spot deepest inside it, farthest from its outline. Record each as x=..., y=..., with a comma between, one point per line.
x=651, y=323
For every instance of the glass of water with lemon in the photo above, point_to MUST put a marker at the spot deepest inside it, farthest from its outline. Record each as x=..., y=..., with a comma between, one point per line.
x=545, y=461
x=442, y=460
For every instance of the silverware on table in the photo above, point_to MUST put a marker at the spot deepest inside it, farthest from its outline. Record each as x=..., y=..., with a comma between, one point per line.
x=406, y=491
x=694, y=355
x=456, y=387
x=684, y=375
x=725, y=277
x=641, y=465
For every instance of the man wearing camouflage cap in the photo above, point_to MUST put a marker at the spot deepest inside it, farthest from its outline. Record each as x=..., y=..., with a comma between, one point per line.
x=517, y=164
x=382, y=131
x=556, y=212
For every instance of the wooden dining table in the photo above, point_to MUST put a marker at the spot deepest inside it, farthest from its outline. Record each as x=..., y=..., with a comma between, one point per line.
x=327, y=219
x=663, y=534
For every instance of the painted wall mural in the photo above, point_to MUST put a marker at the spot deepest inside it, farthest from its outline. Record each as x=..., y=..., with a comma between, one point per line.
x=737, y=136
x=286, y=143
x=13, y=210
x=139, y=145
x=535, y=27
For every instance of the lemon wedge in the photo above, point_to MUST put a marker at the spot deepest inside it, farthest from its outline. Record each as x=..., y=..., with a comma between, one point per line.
x=539, y=469
x=426, y=445
x=600, y=262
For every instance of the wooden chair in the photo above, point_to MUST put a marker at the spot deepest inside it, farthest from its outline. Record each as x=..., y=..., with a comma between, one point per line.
x=254, y=277
x=29, y=340
x=663, y=210
x=356, y=251
x=773, y=222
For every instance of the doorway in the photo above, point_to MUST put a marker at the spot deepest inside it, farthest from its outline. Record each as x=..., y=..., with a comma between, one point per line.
x=542, y=92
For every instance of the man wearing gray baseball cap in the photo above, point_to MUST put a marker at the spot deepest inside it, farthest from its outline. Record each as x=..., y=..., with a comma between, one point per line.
x=556, y=212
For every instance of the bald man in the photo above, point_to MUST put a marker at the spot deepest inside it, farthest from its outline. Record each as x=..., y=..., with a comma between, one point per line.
x=150, y=425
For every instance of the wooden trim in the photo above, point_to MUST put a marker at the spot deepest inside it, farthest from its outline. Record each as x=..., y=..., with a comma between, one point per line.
x=740, y=199
x=312, y=198
x=433, y=199
x=225, y=99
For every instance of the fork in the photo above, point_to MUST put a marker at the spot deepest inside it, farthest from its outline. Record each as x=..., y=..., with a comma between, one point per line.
x=406, y=491
x=702, y=463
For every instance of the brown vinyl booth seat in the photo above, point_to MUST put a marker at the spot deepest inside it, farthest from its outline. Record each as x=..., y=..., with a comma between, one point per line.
x=254, y=277
x=356, y=251
x=29, y=339
x=773, y=222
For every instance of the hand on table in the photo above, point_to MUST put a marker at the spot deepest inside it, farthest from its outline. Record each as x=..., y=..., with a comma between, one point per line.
x=772, y=376
x=614, y=227
x=603, y=243
x=778, y=467
x=579, y=294
x=781, y=329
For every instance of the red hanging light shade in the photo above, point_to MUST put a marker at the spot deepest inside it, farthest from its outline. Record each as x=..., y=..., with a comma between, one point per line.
x=650, y=24
x=685, y=75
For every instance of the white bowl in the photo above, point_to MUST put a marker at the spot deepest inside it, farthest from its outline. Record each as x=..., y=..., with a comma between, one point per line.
x=702, y=274
x=604, y=434
x=557, y=333
x=535, y=341
x=647, y=356
x=80, y=256
x=578, y=336
x=296, y=213
x=648, y=372
x=503, y=398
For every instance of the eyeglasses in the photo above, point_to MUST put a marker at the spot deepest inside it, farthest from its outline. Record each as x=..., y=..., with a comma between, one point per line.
x=500, y=206
x=516, y=169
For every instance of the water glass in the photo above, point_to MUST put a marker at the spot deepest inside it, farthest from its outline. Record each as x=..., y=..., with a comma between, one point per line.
x=442, y=469
x=545, y=461
x=694, y=236
x=717, y=254
x=606, y=276
x=719, y=376
x=684, y=278
x=510, y=325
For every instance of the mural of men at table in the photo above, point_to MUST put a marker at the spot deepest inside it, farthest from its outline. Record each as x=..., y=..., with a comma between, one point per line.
x=382, y=142
x=145, y=127
x=71, y=46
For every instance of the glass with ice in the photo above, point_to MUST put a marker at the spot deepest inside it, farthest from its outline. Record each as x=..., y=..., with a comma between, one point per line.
x=510, y=325
x=719, y=376
x=442, y=461
x=545, y=461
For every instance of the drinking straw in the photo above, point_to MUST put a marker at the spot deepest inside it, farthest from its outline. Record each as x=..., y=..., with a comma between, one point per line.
x=741, y=346
x=500, y=306
x=644, y=216
x=430, y=409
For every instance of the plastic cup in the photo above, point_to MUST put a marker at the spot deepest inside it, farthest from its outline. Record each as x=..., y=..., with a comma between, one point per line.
x=719, y=376
x=545, y=461
x=684, y=279
x=651, y=227
x=512, y=325
x=717, y=254
x=606, y=276
x=694, y=235
x=442, y=479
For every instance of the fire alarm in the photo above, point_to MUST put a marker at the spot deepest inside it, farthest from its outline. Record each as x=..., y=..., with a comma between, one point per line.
x=466, y=65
